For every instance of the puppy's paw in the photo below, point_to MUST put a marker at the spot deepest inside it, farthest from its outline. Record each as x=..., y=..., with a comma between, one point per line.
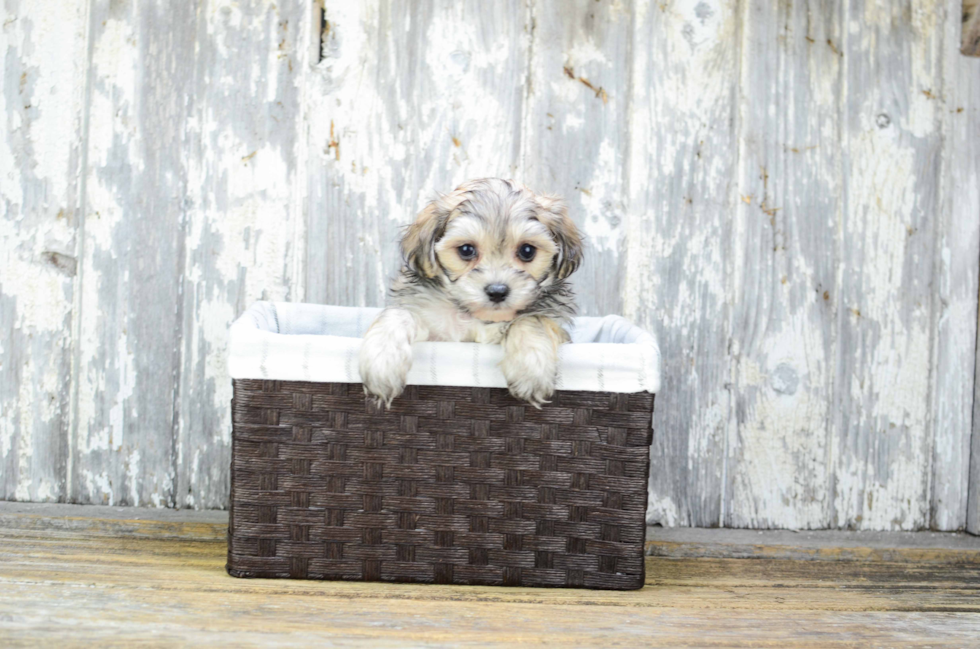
x=384, y=374
x=529, y=379
x=384, y=365
x=530, y=362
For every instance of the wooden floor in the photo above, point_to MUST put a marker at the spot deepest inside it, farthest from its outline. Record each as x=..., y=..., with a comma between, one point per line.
x=94, y=575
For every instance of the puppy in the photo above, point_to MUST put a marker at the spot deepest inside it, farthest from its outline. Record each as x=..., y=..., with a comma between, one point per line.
x=487, y=263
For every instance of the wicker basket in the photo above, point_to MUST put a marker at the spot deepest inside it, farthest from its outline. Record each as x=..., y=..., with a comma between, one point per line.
x=452, y=485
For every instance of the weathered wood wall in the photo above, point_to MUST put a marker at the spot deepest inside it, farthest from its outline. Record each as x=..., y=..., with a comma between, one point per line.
x=787, y=192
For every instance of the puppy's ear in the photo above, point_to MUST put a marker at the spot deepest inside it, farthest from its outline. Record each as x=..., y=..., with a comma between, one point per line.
x=419, y=242
x=554, y=214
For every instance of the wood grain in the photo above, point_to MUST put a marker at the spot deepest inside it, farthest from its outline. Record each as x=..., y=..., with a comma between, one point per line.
x=890, y=143
x=785, y=258
x=575, y=139
x=409, y=100
x=165, y=589
x=785, y=193
x=40, y=153
x=682, y=159
x=128, y=332
x=244, y=217
x=957, y=258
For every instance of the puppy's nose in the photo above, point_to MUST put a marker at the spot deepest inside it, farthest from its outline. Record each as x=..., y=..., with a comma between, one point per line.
x=497, y=292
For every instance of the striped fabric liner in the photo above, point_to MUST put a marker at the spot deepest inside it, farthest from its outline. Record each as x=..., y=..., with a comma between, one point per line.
x=287, y=341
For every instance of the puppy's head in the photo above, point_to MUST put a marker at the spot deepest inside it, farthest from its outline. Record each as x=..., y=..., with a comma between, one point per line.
x=493, y=246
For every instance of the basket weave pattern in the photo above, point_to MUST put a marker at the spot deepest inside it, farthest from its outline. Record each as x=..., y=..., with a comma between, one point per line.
x=450, y=485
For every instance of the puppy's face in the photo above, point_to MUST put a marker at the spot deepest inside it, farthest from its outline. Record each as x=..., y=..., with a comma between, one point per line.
x=493, y=246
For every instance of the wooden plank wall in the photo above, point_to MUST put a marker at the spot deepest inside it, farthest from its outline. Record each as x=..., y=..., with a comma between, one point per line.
x=957, y=322
x=150, y=193
x=787, y=193
x=41, y=155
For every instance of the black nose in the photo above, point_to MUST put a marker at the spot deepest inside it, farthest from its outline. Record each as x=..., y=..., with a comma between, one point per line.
x=497, y=292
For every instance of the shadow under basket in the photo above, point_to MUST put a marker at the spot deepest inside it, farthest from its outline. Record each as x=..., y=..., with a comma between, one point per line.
x=451, y=485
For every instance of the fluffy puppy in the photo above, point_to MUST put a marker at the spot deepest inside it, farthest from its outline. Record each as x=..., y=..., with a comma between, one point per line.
x=486, y=263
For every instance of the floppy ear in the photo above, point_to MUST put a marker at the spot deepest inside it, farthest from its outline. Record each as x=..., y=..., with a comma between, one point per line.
x=420, y=238
x=419, y=241
x=554, y=215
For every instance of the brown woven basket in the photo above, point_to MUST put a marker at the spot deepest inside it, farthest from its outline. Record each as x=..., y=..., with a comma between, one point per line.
x=451, y=485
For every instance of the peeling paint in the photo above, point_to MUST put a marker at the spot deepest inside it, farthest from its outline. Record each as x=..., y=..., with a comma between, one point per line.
x=884, y=451
x=787, y=199
x=681, y=163
x=244, y=218
x=43, y=44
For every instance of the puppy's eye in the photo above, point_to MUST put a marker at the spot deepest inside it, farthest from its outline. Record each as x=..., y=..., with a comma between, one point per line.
x=467, y=251
x=526, y=252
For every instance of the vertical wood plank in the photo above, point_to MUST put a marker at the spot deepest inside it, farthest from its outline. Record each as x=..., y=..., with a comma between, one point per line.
x=136, y=181
x=44, y=61
x=576, y=131
x=959, y=270
x=245, y=221
x=785, y=258
x=958, y=266
x=973, y=491
x=678, y=243
x=891, y=147
x=409, y=99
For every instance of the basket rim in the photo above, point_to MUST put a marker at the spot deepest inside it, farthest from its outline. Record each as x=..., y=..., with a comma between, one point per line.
x=287, y=341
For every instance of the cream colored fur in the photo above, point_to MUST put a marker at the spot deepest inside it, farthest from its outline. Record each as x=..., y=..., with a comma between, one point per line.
x=440, y=294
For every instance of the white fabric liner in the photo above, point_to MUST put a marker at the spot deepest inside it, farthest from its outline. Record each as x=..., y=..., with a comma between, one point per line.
x=311, y=342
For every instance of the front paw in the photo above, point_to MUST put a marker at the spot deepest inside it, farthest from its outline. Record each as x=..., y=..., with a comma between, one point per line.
x=384, y=366
x=533, y=382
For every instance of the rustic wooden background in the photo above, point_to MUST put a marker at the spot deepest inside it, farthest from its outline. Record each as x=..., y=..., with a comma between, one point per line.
x=788, y=193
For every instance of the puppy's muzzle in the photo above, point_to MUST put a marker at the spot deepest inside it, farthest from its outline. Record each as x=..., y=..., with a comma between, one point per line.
x=497, y=292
